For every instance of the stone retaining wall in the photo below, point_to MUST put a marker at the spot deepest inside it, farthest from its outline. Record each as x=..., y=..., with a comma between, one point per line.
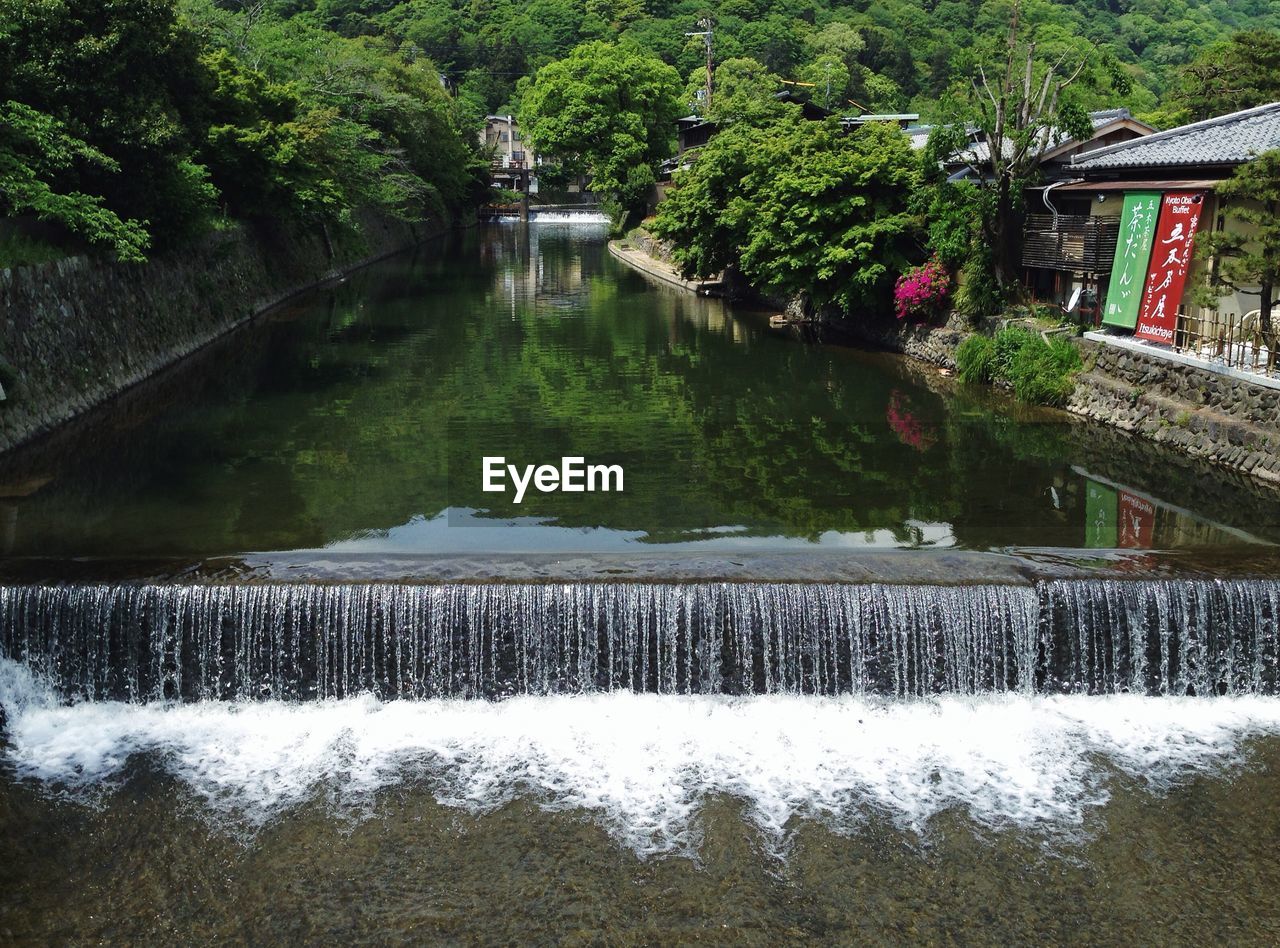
x=1226, y=420
x=935, y=345
x=75, y=332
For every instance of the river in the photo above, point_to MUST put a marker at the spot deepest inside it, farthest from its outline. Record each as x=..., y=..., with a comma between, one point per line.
x=857, y=654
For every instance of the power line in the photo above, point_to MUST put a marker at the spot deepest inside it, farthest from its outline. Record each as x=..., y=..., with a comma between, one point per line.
x=706, y=35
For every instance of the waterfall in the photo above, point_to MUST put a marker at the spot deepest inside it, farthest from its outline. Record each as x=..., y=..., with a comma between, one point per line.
x=588, y=215
x=143, y=643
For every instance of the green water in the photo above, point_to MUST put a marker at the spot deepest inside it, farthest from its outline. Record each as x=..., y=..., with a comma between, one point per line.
x=356, y=419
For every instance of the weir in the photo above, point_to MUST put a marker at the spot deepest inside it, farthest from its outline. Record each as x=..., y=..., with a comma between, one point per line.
x=147, y=642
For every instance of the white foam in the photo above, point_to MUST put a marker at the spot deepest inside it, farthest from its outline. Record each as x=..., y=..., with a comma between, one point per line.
x=645, y=762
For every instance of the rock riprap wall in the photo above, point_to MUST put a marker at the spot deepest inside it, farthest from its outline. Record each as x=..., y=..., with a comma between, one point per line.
x=1217, y=417
x=75, y=332
x=1214, y=417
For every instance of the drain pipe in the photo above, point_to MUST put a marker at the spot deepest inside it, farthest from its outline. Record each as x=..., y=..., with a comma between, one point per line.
x=1044, y=196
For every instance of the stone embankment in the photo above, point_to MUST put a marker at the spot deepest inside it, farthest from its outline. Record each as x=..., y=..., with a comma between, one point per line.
x=935, y=345
x=75, y=332
x=650, y=256
x=1221, y=418
x=658, y=269
x=1227, y=420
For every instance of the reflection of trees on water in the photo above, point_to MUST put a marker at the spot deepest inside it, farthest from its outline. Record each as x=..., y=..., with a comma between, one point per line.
x=348, y=419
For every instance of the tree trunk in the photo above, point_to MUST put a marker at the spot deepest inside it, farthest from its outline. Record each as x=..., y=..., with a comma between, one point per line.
x=1002, y=238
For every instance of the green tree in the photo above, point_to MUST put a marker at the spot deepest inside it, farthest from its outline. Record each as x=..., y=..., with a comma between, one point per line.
x=605, y=110
x=831, y=216
x=304, y=124
x=1231, y=76
x=34, y=149
x=744, y=92
x=706, y=215
x=800, y=208
x=1020, y=106
x=122, y=77
x=1248, y=256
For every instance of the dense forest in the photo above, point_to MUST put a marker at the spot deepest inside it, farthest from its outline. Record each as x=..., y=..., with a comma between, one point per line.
x=127, y=125
x=895, y=54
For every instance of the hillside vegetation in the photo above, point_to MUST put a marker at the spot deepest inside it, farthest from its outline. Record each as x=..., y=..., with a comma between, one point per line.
x=886, y=55
x=128, y=125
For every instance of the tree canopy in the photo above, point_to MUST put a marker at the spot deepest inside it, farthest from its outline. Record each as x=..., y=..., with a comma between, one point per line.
x=138, y=123
x=1248, y=256
x=606, y=111
x=799, y=207
x=1227, y=77
x=886, y=56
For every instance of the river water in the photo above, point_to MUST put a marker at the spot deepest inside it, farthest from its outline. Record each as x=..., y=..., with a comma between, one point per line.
x=858, y=654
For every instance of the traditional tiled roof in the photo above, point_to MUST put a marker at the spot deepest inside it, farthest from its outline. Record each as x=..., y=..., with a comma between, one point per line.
x=1107, y=116
x=919, y=135
x=979, y=153
x=1227, y=140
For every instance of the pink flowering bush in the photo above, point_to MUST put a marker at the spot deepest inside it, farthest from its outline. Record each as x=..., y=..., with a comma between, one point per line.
x=921, y=291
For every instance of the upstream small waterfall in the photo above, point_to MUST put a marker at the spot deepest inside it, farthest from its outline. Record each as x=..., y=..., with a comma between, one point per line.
x=300, y=641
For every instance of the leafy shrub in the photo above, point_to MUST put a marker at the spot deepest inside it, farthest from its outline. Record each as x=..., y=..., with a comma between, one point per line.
x=979, y=294
x=18, y=250
x=921, y=291
x=976, y=360
x=1038, y=371
x=1043, y=372
x=1010, y=344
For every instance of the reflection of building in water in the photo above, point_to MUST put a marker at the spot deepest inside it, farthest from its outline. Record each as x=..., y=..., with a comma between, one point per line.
x=541, y=266
x=11, y=496
x=547, y=268
x=1118, y=517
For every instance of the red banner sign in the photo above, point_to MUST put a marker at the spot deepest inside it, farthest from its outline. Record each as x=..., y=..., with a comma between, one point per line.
x=1170, y=258
x=1136, y=522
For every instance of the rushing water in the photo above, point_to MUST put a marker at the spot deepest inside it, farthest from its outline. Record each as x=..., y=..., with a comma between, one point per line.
x=304, y=727
x=305, y=641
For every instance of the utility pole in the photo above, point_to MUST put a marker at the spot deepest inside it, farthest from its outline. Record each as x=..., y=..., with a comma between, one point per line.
x=706, y=34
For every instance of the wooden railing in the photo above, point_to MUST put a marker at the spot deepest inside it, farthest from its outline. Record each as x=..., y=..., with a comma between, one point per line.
x=1234, y=341
x=1070, y=242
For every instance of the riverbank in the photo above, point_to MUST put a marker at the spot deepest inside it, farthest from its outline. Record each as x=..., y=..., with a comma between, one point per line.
x=1229, y=421
x=659, y=269
x=75, y=333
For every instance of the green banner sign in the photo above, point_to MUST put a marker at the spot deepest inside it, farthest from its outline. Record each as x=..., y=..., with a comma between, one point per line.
x=1133, y=251
x=1100, y=508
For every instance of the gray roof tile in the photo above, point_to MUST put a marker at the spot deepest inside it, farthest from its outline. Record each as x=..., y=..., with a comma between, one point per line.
x=1226, y=140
